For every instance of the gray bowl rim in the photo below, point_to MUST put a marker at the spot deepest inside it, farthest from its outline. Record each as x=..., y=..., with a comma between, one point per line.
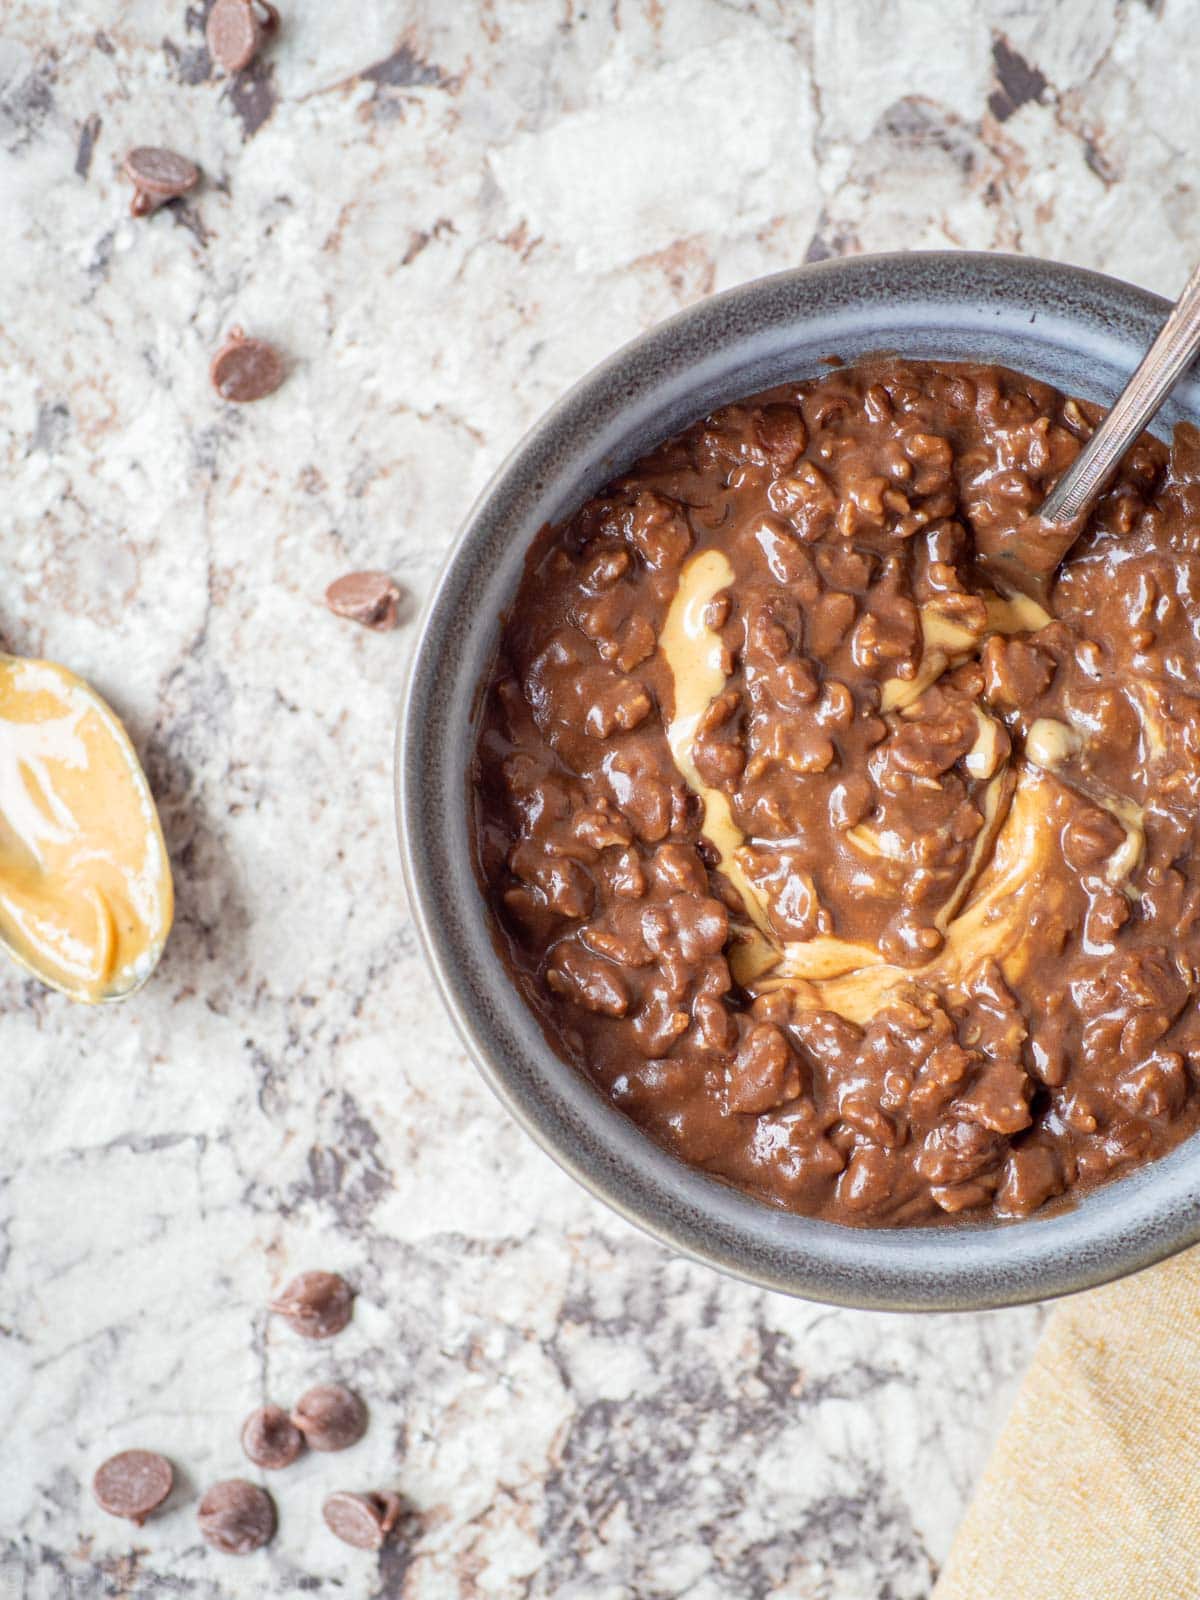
x=1102, y=323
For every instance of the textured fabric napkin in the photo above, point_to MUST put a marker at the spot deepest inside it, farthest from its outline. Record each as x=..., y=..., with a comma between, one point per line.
x=1093, y=1489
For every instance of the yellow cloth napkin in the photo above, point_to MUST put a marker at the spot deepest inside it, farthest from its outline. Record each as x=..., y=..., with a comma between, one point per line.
x=1093, y=1490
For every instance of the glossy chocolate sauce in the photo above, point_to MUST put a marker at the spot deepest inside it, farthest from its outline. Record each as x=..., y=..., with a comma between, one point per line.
x=850, y=878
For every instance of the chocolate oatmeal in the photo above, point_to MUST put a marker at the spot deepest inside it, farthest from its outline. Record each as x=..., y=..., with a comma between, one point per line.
x=851, y=879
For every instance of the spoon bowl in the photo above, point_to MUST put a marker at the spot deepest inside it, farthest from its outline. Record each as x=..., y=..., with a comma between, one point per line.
x=86, y=897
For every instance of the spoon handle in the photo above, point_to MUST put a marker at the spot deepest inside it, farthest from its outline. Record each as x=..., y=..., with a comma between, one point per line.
x=1167, y=359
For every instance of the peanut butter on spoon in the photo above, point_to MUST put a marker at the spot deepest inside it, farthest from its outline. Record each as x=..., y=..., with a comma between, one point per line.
x=86, y=898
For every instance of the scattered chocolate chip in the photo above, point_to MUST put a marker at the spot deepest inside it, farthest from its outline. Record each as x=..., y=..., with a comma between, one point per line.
x=246, y=369
x=363, y=1520
x=157, y=176
x=371, y=598
x=133, y=1484
x=316, y=1304
x=236, y=29
x=271, y=1439
x=330, y=1417
x=237, y=1517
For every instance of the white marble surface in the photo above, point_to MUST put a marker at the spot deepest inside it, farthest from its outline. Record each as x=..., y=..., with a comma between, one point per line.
x=444, y=213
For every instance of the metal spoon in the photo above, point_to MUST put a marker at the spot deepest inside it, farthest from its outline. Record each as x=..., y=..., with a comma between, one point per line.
x=86, y=898
x=1030, y=554
x=1161, y=368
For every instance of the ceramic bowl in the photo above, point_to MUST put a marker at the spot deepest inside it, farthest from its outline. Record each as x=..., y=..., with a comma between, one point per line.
x=1078, y=330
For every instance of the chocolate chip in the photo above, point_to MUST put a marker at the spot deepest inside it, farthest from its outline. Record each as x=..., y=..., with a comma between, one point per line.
x=330, y=1417
x=237, y=1517
x=246, y=369
x=371, y=598
x=236, y=29
x=133, y=1484
x=363, y=1520
x=316, y=1304
x=270, y=1438
x=157, y=175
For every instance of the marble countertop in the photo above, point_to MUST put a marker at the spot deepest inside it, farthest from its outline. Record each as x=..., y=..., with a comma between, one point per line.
x=443, y=214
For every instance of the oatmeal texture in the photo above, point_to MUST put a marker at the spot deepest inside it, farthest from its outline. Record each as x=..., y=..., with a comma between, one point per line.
x=852, y=879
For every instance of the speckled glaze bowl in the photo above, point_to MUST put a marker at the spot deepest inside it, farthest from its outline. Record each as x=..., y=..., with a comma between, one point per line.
x=1079, y=331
